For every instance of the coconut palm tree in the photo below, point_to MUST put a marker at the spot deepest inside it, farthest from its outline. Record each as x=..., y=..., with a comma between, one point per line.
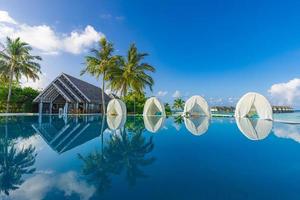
x=99, y=63
x=131, y=73
x=16, y=61
x=178, y=104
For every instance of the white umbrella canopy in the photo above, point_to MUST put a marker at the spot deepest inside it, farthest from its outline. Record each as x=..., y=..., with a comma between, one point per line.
x=116, y=122
x=255, y=101
x=116, y=107
x=153, y=123
x=254, y=129
x=153, y=106
x=196, y=106
x=197, y=125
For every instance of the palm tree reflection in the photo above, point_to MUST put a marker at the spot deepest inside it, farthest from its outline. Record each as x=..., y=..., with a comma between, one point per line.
x=14, y=163
x=124, y=153
x=129, y=154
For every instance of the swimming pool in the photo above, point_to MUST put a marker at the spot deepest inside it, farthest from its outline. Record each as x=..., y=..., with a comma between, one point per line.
x=80, y=157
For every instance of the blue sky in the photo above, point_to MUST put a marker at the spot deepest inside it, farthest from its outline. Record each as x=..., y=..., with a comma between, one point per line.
x=218, y=49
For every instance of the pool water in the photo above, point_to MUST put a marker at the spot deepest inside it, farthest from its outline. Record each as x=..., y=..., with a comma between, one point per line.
x=91, y=157
x=293, y=117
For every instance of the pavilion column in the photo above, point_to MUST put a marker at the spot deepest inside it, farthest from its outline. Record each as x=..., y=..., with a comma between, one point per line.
x=50, y=107
x=77, y=106
x=40, y=120
x=41, y=107
x=66, y=108
x=86, y=107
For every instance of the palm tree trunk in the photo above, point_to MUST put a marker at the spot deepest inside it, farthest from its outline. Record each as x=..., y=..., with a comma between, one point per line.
x=103, y=99
x=9, y=90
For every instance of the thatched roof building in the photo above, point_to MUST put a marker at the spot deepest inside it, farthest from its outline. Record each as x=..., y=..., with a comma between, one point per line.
x=68, y=94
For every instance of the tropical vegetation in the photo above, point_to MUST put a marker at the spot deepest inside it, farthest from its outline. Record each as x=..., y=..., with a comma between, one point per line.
x=127, y=76
x=21, y=100
x=131, y=74
x=135, y=102
x=16, y=61
x=99, y=64
x=168, y=109
x=178, y=104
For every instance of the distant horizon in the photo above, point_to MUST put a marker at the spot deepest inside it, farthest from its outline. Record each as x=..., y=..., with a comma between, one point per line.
x=215, y=49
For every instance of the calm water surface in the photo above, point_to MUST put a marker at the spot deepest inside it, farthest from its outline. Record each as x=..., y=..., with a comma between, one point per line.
x=90, y=157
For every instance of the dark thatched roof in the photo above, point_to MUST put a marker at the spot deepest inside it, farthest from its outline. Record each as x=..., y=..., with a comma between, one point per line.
x=72, y=90
x=91, y=91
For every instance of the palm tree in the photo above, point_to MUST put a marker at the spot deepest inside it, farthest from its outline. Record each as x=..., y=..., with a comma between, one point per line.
x=16, y=61
x=178, y=104
x=99, y=63
x=168, y=109
x=131, y=73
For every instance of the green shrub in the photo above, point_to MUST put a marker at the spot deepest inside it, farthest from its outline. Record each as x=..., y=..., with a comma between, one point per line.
x=21, y=99
x=135, y=102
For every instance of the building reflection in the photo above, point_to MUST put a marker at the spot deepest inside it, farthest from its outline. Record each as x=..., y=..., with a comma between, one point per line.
x=254, y=129
x=65, y=133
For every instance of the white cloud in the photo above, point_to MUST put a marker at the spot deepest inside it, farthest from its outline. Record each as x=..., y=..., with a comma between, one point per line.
x=286, y=93
x=38, y=84
x=162, y=93
x=37, y=187
x=4, y=17
x=78, y=41
x=176, y=94
x=44, y=38
x=106, y=16
x=216, y=101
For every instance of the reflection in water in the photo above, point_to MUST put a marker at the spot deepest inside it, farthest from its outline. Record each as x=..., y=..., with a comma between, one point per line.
x=65, y=134
x=153, y=123
x=289, y=131
x=178, y=120
x=52, y=185
x=197, y=125
x=115, y=122
x=254, y=129
x=14, y=162
x=122, y=154
x=127, y=157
